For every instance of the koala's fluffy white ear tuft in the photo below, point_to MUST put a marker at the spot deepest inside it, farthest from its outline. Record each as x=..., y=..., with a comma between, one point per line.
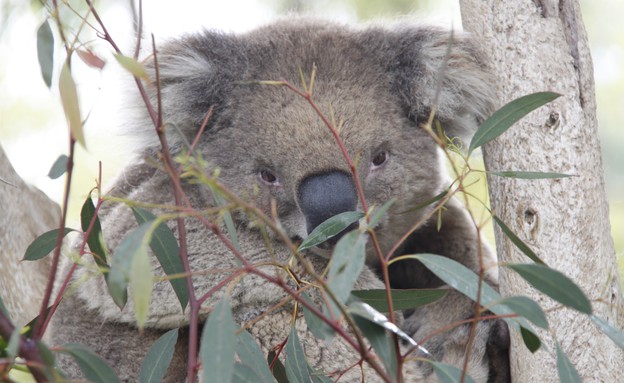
x=442, y=69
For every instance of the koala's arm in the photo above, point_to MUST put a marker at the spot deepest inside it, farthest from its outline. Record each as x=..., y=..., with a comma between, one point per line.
x=457, y=239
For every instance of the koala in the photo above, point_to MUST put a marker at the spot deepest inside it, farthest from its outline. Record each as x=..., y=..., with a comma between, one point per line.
x=269, y=146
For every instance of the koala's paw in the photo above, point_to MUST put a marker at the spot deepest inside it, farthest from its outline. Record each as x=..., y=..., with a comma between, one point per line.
x=434, y=326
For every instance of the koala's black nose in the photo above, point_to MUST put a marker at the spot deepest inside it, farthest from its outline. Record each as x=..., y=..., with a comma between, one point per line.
x=322, y=196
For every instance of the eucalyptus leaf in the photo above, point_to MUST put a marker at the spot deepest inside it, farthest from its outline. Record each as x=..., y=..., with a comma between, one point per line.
x=71, y=106
x=381, y=342
x=554, y=284
x=4, y=310
x=141, y=283
x=401, y=299
x=91, y=365
x=567, y=372
x=427, y=202
x=297, y=369
x=517, y=241
x=531, y=341
x=509, y=114
x=363, y=310
x=346, y=265
x=615, y=334
x=59, y=167
x=251, y=355
x=95, y=239
x=528, y=308
x=316, y=325
x=530, y=175
x=330, y=228
x=44, y=244
x=278, y=370
x=117, y=278
x=158, y=358
x=378, y=213
x=45, y=52
x=218, y=344
x=466, y=282
x=14, y=341
x=449, y=374
x=165, y=247
x=133, y=66
x=227, y=218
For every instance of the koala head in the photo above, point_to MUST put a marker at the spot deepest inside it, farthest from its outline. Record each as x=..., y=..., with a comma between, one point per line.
x=376, y=84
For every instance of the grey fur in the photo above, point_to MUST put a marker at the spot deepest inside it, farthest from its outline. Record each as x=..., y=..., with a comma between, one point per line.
x=381, y=83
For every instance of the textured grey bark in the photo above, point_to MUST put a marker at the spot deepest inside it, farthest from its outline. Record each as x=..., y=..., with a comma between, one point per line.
x=538, y=45
x=25, y=213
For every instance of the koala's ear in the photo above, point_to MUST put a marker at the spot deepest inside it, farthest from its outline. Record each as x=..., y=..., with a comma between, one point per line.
x=442, y=69
x=196, y=73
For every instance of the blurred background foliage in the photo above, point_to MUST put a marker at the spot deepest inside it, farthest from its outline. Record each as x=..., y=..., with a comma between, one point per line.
x=32, y=125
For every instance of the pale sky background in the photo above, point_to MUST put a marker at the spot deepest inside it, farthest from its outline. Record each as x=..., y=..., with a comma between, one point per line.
x=33, y=130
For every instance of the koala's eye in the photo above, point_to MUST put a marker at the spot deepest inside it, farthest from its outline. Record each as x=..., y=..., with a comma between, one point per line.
x=380, y=158
x=268, y=177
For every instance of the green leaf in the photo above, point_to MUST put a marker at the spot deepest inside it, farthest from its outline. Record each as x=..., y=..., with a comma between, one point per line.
x=242, y=373
x=517, y=241
x=13, y=346
x=316, y=325
x=71, y=106
x=401, y=299
x=44, y=244
x=449, y=374
x=95, y=239
x=506, y=116
x=227, y=218
x=345, y=266
x=218, y=344
x=45, y=52
x=330, y=228
x=141, y=283
x=165, y=247
x=278, y=370
x=530, y=175
x=4, y=310
x=615, y=334
x=48, y=359
x=554, y=284
x=381, y=342
x=528, y=308
x=531, y=341
x=250, y=354
x=59, y=167
x=29, y=328
x=93, y=368
x=296, y=365
x=134, y=243
x=567, y=372
x=363, y=310
x=427, y=203
x=133, y=66
x=466, y=282
x=380, y=212
x=158, y=358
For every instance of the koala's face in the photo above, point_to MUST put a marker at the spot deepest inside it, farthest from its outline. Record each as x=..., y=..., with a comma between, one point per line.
x=278, y=145
x=373, y=84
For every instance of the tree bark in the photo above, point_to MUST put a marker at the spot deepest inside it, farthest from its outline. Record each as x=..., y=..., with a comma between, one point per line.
x=538, y=45
x=25, y=213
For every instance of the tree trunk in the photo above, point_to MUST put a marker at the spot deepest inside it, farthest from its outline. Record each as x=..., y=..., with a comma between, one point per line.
x=535, y=46
x=25, y=213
